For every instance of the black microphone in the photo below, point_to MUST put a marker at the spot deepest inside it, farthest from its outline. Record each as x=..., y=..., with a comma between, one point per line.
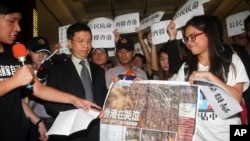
x=57, y=59
x=20, y=52
x=43, y=69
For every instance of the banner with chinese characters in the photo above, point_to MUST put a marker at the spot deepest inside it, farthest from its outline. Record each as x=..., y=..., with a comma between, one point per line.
x=149, y=110
x=159, y=32
x=190, y=9
x=235, y=23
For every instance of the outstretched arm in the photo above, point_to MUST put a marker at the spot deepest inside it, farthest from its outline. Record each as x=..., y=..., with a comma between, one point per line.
x=146, y=50
x=54, y=95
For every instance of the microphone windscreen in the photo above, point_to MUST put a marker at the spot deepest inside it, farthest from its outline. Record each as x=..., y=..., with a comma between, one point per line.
x=130, y=73
x=57, y=59
x=41, y=74
x=47, y=65
x=19, y=50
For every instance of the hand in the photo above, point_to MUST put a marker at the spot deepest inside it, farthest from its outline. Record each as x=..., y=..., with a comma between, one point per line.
x=117, y=36
x=149, y=38
x=24, y=75
x=57, y=47
x=85, y=104
x=115, y=79
x=140, y=35
x=137, y=79
x=171, y=30
x=101, y=114
x=42, y=131
x=198, y=74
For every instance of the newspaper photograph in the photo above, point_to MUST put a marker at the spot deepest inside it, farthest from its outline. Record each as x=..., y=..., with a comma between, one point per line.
x=149, y=111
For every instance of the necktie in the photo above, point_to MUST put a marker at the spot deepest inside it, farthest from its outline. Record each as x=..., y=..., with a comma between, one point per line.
x=86, y=82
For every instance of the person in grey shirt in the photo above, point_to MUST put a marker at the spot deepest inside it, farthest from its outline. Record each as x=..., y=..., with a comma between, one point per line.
x=125, y=51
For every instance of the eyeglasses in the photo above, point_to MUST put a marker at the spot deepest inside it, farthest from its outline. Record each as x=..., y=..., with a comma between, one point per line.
x=191, y=38
x=81, y=41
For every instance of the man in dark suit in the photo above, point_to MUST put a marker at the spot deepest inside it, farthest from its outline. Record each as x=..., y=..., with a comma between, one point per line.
x=67, y=77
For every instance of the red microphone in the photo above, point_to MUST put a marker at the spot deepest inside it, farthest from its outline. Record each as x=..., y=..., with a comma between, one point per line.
x=19, y=52
x=130, y=73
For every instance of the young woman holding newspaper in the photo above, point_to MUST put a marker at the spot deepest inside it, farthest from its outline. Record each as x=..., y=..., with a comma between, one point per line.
x=206, y=61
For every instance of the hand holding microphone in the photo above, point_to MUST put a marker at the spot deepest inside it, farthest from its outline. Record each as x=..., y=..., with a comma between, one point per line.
x=24, y=74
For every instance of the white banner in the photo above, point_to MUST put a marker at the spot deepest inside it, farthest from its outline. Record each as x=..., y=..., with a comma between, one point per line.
x=138, y=48
x=235, y=23
x=223, y=103
x=159, y=32
x=127, y=23
x=190, y=9
x=147, y=22
x=101, y=24
x=63, y=39
x=103, y=39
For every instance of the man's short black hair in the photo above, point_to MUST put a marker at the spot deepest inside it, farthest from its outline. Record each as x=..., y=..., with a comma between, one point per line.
x=76, y=27
x=10, y=6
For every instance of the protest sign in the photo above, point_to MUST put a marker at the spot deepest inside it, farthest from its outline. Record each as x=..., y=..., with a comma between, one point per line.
x=150, y=20
x=190, y=9
x=159, y=32
x=127, y=23
x=235, y=23
x=221, y=101
x=63, y=39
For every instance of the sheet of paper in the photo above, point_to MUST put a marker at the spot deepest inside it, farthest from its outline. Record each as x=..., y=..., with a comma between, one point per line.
x=223, y=103
x=71, y=121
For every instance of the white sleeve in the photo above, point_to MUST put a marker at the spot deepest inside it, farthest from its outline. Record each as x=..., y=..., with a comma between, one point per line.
x=237, y=74
x=180, y=76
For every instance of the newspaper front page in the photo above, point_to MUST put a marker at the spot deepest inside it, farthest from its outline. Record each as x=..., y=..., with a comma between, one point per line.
x=149, y=111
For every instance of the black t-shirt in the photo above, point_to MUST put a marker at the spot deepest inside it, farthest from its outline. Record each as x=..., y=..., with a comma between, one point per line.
x=13, y=123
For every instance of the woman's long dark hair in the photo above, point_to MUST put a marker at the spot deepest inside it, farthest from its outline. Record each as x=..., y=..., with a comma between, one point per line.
x=161, y=73
x=207, y=25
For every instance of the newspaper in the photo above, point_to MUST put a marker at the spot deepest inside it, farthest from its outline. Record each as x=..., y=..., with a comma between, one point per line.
x=149, y=110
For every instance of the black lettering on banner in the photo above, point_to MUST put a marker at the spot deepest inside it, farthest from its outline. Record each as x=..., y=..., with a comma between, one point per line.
x=235, y=24
x=126, y=23
x=123, y=23
x=161, y=31
x=102, y=37
x=129, y=23
x=158, y=32
x=187, y=9
x=219, y=98
x=151, y=18
x=118, y=24
x=138, y=49
x=134, y=22
x=101, y=26
x=155, y=33
x=239, y=132
x=96, y=37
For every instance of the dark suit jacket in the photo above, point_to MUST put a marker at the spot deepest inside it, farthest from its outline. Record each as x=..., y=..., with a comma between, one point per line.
x=65, y=77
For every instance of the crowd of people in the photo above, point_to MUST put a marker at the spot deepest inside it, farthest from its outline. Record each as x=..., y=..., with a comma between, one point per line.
x=58, y=85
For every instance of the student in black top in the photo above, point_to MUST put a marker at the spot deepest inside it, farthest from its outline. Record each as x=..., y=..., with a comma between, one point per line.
x=13, y=78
